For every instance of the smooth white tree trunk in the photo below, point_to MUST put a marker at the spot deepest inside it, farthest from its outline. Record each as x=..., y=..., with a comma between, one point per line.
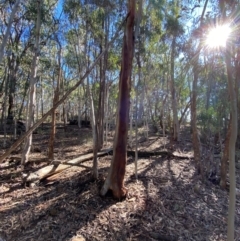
x=232, y=144
x=32, y=88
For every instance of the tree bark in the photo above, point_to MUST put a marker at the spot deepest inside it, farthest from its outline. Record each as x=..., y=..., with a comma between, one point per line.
x=115, y=179
x=184, y=112
x=94, y=132
x=101, y=101
x=24, y=96
x=6, y=35
x=136, y=123
x=4, y=115
x=232, y=143
x=224, y=159
x=173, y=94
x=106, y=112
x=195, y=137
x=55, y=99
x=32, y=88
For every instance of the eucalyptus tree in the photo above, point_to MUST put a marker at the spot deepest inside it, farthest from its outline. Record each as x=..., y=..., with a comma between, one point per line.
x=55, y=99
x=8, y=29
x=174, y=29
x=32, y=87
x=115, y=178
x=15, y=51
x=195, y=136
x=232, y=69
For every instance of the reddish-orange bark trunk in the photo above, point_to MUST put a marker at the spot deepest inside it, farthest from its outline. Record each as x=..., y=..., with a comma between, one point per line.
x=115, y=180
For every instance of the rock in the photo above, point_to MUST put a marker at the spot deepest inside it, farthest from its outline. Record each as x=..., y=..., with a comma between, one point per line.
x=78, y=238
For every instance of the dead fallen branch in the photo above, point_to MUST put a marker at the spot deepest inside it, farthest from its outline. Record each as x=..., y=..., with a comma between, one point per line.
x=146, y=154
x=57, y=167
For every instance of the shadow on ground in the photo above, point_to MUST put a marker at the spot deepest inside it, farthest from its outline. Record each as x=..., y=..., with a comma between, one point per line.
x=166, y=203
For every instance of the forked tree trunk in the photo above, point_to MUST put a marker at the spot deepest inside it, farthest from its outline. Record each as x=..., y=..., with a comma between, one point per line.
x=32, y=89
x=115, y=178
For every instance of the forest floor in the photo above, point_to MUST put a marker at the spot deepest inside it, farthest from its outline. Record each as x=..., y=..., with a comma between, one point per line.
x=167, y=202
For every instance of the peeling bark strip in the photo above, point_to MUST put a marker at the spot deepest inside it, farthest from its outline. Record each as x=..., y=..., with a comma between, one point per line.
x=115, y=179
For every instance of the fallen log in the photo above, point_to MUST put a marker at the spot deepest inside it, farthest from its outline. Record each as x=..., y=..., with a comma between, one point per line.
x=146, y=154
x=57, y=167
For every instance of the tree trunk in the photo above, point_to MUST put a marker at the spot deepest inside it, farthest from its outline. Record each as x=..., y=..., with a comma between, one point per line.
x=138, y=113
x=101, y=103
x=106, y=113
x=115, y=179
x=32, y=88
x=173, y=94
x=232, y=143
x=131, y=124
x=6, y=35
x=162, y=115
x=184, y=112
x=4, y=90
x=12, y=86
x=55, y=100
x=136, y=125
x=225, y=157
x=94, y=132
x=24, y=96
x=4, y=110
x=195, y=136
x=79, y=111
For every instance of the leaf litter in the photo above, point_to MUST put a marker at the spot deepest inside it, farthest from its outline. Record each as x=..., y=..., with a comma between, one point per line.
x=166, y=202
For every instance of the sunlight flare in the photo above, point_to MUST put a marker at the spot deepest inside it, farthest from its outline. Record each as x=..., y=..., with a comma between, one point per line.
x=217, y=37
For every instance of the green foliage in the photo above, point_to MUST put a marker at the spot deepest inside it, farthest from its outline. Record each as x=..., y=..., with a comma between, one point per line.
x=113, y=61
x=173, y=26
x=81, y=30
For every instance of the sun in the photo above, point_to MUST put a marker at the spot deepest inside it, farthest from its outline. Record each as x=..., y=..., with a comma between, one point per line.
x=217, y=37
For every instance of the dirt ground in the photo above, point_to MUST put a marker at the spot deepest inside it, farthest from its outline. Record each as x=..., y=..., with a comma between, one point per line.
x=166, y=202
